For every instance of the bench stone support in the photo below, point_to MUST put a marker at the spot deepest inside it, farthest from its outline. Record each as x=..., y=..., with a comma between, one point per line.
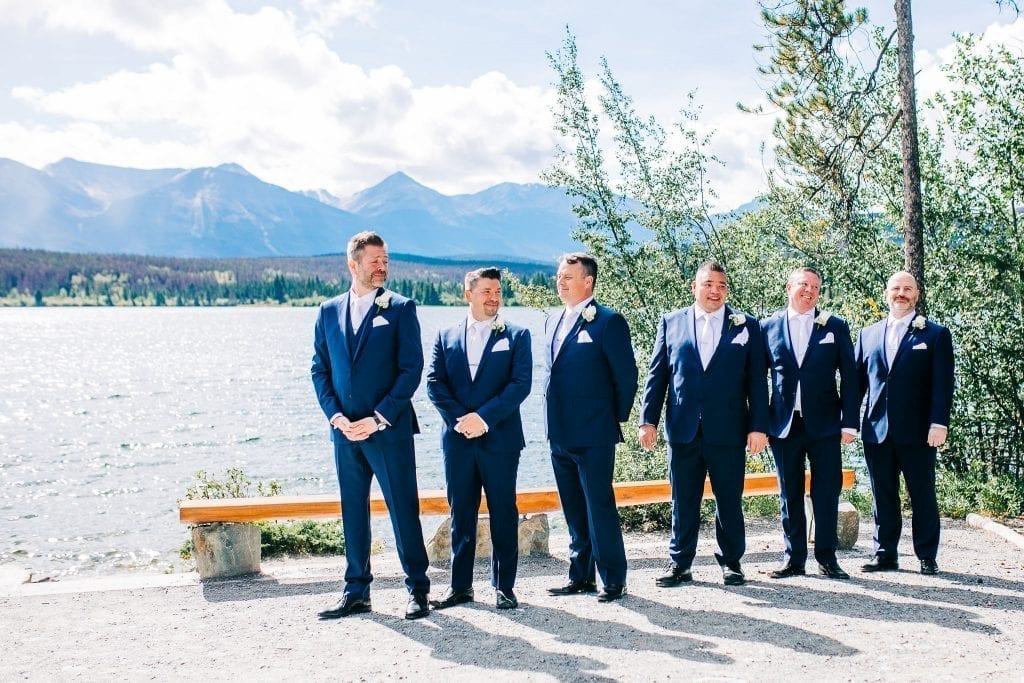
x=533, y=538
x=225, y=550
x=847, y=527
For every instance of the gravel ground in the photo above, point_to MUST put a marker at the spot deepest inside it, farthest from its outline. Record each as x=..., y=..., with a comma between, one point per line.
x=965, y=623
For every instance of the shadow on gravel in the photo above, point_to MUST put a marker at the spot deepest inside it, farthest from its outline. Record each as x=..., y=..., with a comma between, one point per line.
x=261, y=588
x=454, y=640
x=733, y=626
x=860, y=605
x=613, y=635
x=967, y=590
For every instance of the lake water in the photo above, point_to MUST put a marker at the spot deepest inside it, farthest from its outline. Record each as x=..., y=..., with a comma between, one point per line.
x=106, y=414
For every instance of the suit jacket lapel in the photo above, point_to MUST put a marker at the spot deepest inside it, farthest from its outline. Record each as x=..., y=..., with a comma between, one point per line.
x=880, y=330
x=460, y=345
x=690, y=333
x=552, y=333
x=345, y=323
x=787, y=335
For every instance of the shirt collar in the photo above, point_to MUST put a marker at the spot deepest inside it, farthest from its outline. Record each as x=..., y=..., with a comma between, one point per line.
x=366, y=298
x=792, y=313
x=472, y=322
x=717, y=315
x=905, y=320
x=575, y=310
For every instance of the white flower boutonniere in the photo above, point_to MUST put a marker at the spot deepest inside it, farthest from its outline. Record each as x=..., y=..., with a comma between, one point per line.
x=737, y=320
x=918, y=322
x=588, y=313
x=383, y=301
x=498, y=325
x=822, y=318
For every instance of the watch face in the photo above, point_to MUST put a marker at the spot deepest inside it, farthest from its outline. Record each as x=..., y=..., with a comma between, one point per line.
x=381, y=426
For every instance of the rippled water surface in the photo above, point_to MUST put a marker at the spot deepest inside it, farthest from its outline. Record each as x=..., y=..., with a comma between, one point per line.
x=106, y=414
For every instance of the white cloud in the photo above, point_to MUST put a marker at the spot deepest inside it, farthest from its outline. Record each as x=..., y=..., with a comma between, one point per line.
x=260, y=90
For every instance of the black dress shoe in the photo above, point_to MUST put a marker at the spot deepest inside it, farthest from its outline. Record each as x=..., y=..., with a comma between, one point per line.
x=506, y=600
x=574, y=587
x=674, y=575
x=732, y=574
x=611, y=592
x=350, y=603
x=417, y=607
x=880, y=563
x=929, y=567
x=832, y=570
x=787, y=570
x=453, y=597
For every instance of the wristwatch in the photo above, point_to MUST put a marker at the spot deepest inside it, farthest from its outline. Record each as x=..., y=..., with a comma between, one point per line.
x=381, y=424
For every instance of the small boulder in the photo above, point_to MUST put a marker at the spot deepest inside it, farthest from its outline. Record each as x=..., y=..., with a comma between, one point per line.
x=223, y=550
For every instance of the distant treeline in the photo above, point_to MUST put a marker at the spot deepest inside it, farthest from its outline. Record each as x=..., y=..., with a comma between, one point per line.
x=46, y=278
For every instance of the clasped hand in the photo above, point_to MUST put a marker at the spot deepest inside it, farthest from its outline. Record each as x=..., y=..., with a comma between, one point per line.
x=360, y=430
x=470, y=426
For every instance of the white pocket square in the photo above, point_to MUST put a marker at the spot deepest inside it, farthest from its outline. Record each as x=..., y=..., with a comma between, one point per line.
x=500, y=345
x=583, y=337
x=742, y=338
x=380, y=320
x=828, y=339
x=922, y=345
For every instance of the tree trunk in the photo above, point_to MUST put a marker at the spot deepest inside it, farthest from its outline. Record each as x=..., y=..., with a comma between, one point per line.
x=913, y=217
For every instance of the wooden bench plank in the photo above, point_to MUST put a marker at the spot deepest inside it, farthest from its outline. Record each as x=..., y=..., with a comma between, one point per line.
x=435, y=502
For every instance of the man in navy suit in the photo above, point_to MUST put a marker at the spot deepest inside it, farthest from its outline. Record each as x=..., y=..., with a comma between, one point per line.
x=589, y=388
x=480, y=373
x=709, y=360
x=367, y=363
x=905, y=365
x=808, y=417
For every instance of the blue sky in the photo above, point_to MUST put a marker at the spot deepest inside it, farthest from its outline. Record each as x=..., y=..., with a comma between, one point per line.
x=337, y=94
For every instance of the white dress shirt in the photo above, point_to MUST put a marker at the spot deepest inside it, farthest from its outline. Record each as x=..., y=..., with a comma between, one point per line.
x=707, y=331
x=568, y=321
x=358, y=306
x=477, y=333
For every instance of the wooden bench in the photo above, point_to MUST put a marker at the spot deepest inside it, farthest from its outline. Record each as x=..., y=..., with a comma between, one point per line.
x=435, y=502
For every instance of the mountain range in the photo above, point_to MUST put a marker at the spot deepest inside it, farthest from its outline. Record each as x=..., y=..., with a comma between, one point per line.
x=225, y=211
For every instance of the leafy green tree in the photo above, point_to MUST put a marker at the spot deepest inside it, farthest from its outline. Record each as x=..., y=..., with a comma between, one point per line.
x=979, y=242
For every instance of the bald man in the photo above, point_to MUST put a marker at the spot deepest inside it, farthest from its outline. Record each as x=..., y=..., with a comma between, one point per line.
x=905, y=366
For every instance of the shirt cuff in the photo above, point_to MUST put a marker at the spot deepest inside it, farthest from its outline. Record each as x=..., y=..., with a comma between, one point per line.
x=849, y=430
x=938, y=426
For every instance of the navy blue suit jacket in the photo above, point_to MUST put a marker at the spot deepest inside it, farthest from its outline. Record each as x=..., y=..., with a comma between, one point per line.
x=825, y=408
x=379, y=375
x=916, y=392
x=728, y=400
x=589, y=388
x=502, y=383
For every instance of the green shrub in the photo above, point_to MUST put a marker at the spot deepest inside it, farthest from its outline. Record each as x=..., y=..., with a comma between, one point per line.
x=305, y=537
x=633, y=463
x=234, y=485
x=979, y=490
x=861, y=499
